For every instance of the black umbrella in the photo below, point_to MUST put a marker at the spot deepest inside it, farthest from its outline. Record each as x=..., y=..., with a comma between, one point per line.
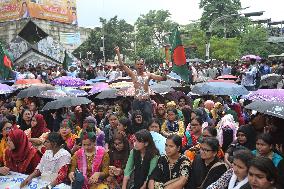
x=66, y=102
x=219, y=88
x=267, y=107
x=34, y=91
x=109, y=93
x=270, y=79
x=160, y=88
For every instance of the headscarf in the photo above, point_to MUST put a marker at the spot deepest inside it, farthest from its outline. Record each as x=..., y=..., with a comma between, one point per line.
x=19, y=159
x=248, y=131
x=40, y=128
x=196, y=103
x=209, y=105
x=227, y=122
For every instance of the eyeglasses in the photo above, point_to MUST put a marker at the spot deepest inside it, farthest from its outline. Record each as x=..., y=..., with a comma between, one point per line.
x=205, y=150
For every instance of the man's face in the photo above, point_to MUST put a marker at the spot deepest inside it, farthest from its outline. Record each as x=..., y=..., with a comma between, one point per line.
x=139, y=65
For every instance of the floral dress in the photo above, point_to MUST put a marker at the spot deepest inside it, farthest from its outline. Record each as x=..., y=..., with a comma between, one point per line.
x=164, y=171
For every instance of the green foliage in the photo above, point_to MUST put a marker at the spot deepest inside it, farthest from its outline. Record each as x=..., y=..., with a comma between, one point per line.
x=152, y=28
x=225, y=49
x=116, y=33
x=213, y=9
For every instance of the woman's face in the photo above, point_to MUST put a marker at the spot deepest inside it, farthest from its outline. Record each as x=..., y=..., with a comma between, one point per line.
x=241, y=138
x=120, y=127
x=161, y=111
x=113, y=121
x=6, y=129
x=10, y=144
x=139, y=119
x=139, y=145
x=171, y=148
x=206, y=134
x=47, y=144
x=192, y=115
x=257, y=179
x=88, y=145
x=263, y=148
x=171, y=116
x=206, y=152
x=78, y=109
x=240, y=169
x=154, y=127
x=32, y=107
x=27, y=116
x=33, y=122
x=195, y=127
x=118, y=144
x=64, y=130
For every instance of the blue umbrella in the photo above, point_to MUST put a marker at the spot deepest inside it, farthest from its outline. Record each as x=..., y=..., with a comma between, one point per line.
x=160, y=142
x=219, y=88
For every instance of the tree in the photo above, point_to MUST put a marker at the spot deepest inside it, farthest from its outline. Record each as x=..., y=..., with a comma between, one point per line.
x=213, y=9
x=153, y=27
x=225, y=49
x=115, y=32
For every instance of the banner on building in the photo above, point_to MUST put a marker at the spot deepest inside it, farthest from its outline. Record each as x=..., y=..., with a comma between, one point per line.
x=53, y=10
x=68, y=38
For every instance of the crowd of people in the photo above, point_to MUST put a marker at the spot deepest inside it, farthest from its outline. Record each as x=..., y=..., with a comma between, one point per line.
x=204, y=142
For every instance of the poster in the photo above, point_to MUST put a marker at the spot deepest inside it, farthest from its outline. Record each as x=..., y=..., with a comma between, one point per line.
x=70, y=38
x=53, y=10
x=9, y=10
x=13, y=180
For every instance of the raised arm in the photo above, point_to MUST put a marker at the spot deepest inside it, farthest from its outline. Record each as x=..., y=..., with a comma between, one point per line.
x=124, y=67
x=158, y=77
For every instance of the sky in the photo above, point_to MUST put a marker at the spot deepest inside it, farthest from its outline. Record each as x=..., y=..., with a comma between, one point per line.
x=183, y=11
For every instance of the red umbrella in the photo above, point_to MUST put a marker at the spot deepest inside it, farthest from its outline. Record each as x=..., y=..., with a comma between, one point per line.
x=28, y=81
x=222, y=80
x=227, y=77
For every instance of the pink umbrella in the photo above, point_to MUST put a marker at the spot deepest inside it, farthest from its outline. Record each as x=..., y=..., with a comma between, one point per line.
x=99, y=87
x=229, y=77
x=251, y=56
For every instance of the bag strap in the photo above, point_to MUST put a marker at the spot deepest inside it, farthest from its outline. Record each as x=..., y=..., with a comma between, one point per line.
x=215, y=165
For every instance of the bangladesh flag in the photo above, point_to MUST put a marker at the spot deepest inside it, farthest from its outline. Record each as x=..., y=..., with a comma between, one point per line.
x=178, y=56
x=5, y=63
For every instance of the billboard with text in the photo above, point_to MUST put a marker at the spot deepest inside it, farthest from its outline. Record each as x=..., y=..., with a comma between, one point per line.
x=54, y=10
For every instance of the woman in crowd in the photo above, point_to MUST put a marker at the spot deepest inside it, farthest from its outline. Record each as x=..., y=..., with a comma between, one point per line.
x=193, y=133
x=161, y=113
x=173, y=169
x=38, y=132
x=66, y=133
x=33, y=107
x=110, y=130
x=237, y=176
x=264, y=147
x=53, y=166
x=137, y=122
x=142, y=160
x=262, y=174
x=5, y=128
x=25, y=120
x=92, y=161
x=243, y=142
x=206, y=167
x=207, y=132
x=20, y=155
x=172, y=125
x=118, y=158
x=158, y=139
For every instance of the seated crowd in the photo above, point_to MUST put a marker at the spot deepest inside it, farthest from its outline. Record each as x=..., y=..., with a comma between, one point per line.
x=104, y=147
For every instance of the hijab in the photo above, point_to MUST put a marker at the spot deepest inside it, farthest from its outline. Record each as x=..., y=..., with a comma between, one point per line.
x=40, y=127
x=19, y=159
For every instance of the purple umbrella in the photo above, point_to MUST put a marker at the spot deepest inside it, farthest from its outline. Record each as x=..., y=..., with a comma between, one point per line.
x=5, y=89
x=273, y=95
x=99, y=87
x=68, y=81
x=251, y=56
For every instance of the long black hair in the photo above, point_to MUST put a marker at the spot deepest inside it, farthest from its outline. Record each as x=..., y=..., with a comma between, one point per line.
x=146, y=137
x=56, y=138
x=119, y=155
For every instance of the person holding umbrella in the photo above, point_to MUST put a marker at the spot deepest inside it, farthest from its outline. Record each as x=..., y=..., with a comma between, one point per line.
x=140, y=79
